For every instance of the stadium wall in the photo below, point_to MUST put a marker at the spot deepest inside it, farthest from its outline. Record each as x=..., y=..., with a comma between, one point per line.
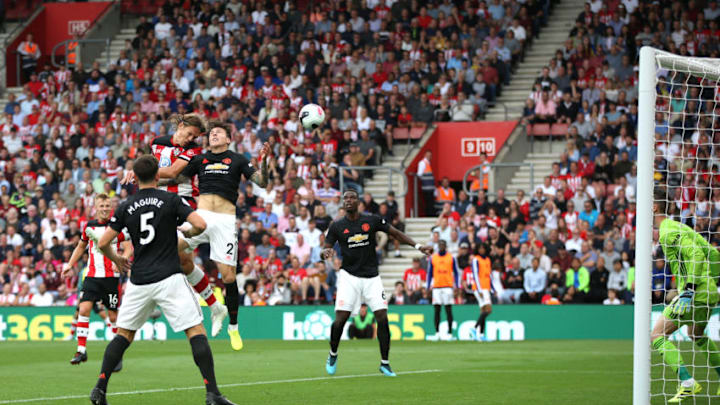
x=407, y=322
x=456, y=147
x=56, y=23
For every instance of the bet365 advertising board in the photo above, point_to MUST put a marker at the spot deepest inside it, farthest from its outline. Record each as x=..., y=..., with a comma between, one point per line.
x=407, y=322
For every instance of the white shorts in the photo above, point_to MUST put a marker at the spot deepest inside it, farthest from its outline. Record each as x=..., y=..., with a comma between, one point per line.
x=442, y=296
x=483, y=297
x=173, y=295
x=353, y=291
x=221, y=234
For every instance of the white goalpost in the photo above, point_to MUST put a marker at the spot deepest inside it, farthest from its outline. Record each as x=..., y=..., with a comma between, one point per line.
x=677, y=89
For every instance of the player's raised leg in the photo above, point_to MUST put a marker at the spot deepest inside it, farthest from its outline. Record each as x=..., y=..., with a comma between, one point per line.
x=373, y=294
x=341, y=317
x=113, y=356
x=383, y=335
x=664, y=327
x=200, y=283
x=232, y=301
x=82, y=330
x=202, y=354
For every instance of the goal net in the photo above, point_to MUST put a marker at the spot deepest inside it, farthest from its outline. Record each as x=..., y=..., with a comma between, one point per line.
x=678, y=210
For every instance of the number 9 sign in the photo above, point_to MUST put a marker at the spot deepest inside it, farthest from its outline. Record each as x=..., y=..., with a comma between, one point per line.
x=475, y=146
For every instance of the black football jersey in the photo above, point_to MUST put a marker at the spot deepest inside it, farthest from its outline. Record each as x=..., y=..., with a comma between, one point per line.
x=220, y=173
x=151, y=217
x=357, y=243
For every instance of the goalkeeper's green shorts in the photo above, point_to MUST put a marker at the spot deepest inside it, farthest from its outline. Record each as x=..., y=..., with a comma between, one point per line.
x=698, y=315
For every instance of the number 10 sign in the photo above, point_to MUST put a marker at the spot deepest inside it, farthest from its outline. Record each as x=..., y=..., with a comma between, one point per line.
x=475, y=146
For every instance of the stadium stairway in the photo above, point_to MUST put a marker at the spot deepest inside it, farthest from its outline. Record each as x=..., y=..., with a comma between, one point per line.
x=118, y=42
x=393, y=268
x=561, y=21
x=4, y=99
x=542, y=158
x=9, y=27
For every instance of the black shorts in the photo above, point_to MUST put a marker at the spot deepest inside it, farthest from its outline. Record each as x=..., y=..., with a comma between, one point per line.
x=101, y=289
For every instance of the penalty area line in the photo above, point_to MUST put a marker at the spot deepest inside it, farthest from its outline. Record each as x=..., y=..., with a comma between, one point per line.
x=245, y=384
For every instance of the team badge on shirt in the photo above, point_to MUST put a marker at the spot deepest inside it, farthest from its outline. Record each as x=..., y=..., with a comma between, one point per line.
x=366, y=227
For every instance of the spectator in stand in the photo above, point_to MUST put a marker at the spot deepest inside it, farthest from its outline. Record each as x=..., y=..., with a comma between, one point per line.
x=299, y=282
x=577, y=283
x=399, y=296
x=514, y=282
x=534, y=281
x=545, y=109
x=618, y=279
x=598, y=282
x=415, y=278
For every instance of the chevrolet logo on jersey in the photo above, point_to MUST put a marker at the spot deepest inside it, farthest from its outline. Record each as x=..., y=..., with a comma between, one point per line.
x=358, y=240
x=217, y=166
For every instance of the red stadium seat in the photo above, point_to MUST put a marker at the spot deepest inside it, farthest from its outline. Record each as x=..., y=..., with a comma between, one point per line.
x=401, y=133
x=417, y=132
x=559, y=129
x=539, y=130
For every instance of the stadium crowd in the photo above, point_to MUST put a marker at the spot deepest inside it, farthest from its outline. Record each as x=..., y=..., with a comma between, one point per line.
x=374, y=67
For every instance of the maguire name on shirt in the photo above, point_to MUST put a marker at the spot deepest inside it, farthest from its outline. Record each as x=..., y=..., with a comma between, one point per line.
x=144, y=202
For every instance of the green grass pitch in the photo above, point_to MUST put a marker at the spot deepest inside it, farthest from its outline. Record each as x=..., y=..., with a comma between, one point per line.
x=276, y=372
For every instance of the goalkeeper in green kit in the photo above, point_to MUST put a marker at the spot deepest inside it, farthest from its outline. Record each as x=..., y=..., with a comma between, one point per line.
x=696, y=266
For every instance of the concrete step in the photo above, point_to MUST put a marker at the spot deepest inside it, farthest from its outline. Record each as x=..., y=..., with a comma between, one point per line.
x=544, y=59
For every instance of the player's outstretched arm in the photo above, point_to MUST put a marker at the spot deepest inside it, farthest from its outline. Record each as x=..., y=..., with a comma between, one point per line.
x=197, y=227
x=395, y=233
x=105, y=246
x=67, y=270
x=174, y=170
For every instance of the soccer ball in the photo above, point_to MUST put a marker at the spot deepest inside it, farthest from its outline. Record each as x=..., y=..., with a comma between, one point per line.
x=312, y=116
x=317, y=325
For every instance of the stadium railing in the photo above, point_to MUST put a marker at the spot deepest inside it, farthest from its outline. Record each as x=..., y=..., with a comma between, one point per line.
x=491, y=180
x=106, y=41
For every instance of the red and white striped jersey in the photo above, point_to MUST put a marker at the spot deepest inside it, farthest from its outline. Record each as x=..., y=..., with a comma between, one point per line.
x=167, y=153
x=574, y=182
x=414, y=281
x=100, y=266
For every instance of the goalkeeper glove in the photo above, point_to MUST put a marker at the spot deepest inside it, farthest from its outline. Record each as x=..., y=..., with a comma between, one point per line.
x=682, y=303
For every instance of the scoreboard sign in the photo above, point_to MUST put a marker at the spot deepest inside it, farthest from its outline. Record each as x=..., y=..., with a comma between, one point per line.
x=473, y=147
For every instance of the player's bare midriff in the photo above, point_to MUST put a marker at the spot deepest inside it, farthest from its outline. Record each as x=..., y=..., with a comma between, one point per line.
x=215, y=203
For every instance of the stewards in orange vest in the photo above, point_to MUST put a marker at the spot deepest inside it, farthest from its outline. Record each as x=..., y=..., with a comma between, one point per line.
x=72, y=53
x=443, y=278
x=30, y=53
x=484, y=172
x=427, y=184
x=444, y=194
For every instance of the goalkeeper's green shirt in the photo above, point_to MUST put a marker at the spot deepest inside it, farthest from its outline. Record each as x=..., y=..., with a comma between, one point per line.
x=692, y=259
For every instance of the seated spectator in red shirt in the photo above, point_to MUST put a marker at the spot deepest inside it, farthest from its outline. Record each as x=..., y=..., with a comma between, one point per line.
x=298, y=277
x=415, y=278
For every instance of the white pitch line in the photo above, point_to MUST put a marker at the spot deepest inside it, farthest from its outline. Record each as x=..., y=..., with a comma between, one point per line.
x=152, y=391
